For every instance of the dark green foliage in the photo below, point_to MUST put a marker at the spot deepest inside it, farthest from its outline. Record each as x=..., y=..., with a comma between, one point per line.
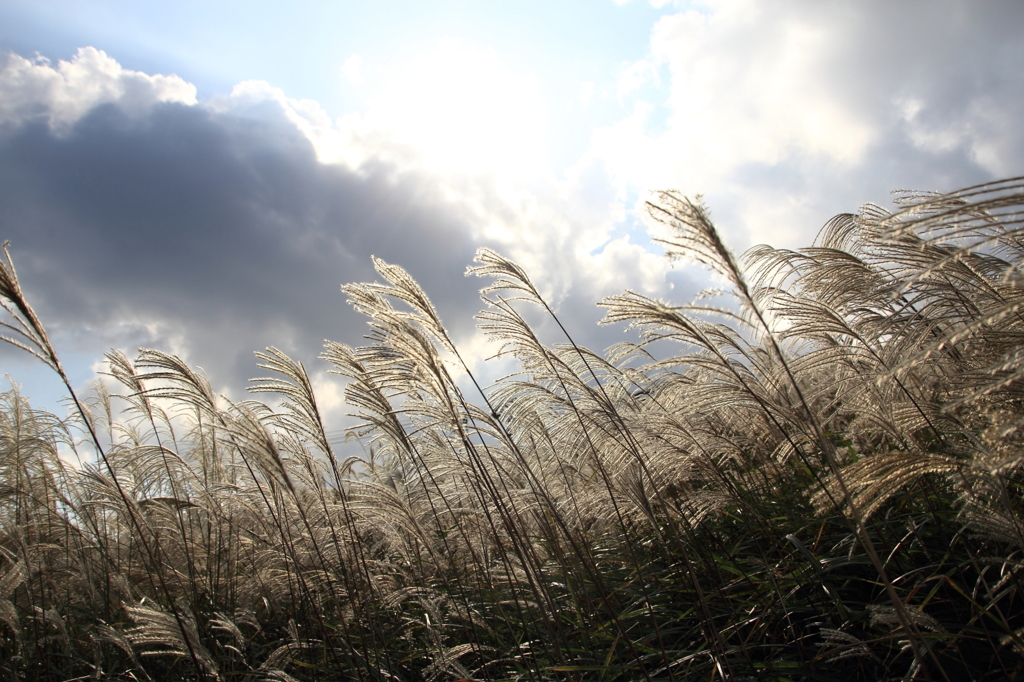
x=819, y=480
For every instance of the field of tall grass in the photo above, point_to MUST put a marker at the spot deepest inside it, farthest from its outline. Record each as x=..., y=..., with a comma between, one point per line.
x=813, y=474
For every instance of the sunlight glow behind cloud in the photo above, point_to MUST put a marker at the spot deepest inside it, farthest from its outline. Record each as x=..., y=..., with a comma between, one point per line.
x=464, y=109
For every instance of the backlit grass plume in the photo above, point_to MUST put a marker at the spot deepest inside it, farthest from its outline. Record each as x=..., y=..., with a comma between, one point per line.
x=818, y=479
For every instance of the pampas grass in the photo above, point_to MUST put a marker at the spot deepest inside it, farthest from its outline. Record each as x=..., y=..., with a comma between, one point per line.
x=820, y=479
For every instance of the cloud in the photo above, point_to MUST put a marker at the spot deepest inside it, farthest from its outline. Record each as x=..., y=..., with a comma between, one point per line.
x=210, y=232
x=352, y=69
x=787, y=113
x=635, y=76
x=61, y=95
x=140, y=216
x=215, y=229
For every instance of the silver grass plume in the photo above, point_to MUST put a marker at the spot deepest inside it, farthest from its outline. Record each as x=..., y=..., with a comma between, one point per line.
x=157, y=633
x=9, y=581
x=29, y=335
x=695, y=236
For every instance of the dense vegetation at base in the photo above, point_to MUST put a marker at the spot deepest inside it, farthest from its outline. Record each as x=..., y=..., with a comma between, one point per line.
x=820, y=479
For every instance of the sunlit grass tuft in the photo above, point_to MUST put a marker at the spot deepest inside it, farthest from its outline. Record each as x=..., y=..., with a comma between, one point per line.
x=820, y=479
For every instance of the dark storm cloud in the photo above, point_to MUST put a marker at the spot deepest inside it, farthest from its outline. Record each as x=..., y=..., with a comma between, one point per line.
x=224, y=231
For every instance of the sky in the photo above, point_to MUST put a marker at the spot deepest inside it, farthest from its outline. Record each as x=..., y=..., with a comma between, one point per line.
x=201, y=177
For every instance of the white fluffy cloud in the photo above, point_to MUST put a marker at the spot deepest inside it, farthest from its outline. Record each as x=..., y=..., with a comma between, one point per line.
x=34, y=89
x=793, y=96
